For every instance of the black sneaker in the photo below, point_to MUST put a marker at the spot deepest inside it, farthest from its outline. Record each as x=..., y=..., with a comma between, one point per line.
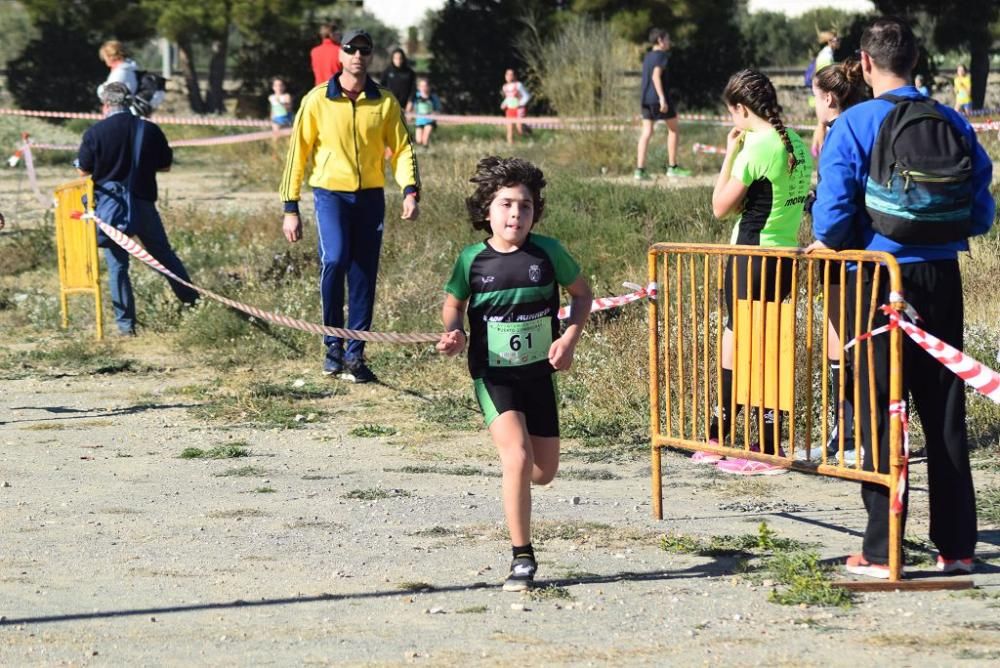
x=522, y=574
x=333, y=363
x=356, y=371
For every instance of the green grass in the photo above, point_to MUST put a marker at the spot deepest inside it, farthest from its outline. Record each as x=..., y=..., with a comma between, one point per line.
x=229, y=451
x=266, y=405
x=765, y=541
x=415, y=586
x=463, y=470
x=472, y=610
x=550, y=593
x=264, y=490
x=373, y=431
x=244, y=472
x=83, y=356
x=988, y=505
x=804, y=580
x=451, y=413
x=232, y=249
x=376, y=493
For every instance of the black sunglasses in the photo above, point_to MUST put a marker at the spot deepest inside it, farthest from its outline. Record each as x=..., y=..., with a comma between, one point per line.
x=351, y=49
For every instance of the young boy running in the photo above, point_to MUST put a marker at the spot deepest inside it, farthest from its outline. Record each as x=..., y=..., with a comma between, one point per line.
x=510, y=285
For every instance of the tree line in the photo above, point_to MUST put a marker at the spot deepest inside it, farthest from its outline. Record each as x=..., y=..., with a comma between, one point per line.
x=469, y=42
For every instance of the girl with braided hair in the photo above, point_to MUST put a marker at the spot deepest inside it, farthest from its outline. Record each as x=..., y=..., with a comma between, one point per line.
x=765, y=177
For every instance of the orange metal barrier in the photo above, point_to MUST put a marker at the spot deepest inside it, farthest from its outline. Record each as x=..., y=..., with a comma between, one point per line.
x=76, y=245
x=781, y=334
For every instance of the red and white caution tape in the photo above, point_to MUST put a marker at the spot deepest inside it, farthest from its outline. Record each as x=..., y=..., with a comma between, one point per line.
x=899, y=408
x=160, y=119
x=708, y=148
x=177, y=143
x=977, y=375
x=605, y=303
x=142, y=255
x=29, y=166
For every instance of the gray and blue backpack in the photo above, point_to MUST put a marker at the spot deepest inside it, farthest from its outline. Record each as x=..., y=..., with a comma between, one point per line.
x=920, y=183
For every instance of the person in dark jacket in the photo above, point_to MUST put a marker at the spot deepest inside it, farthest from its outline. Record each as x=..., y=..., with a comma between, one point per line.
x=932, y=284
x=106, y=156
x=401, y=80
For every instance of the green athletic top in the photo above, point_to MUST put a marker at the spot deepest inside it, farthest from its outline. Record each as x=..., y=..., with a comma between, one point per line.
x=513, y=305
x=772, y=209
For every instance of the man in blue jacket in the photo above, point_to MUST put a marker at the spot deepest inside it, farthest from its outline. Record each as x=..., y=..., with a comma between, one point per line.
x=932, y=284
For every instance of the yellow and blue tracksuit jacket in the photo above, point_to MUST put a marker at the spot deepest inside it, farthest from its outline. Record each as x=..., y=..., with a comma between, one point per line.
x=347, y=142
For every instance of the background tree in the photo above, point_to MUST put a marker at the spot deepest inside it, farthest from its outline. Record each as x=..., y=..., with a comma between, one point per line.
x=966, y=25
x=707, y=43
x=473, y=42
x=189, y=24
x=276, y=37
x=60, y=68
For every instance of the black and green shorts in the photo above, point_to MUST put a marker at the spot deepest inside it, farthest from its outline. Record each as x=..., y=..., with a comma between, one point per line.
x=535, y=397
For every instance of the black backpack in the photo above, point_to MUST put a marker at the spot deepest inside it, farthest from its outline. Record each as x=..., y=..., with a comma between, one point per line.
x=149, y=94
x=920, y=183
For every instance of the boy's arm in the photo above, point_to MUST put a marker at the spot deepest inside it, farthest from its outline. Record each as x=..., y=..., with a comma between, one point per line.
x=561, y=351
x=453, y=316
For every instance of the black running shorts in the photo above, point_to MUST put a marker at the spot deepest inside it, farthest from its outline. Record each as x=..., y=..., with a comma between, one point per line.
x=534, y=397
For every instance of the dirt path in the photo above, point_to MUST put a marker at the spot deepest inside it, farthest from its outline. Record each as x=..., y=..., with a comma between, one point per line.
x=116, y=551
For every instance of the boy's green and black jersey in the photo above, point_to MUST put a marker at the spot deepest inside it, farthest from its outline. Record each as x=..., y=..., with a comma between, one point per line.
x=513, y=305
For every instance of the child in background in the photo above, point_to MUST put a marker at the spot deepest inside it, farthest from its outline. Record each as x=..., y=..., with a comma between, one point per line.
x=963, y=90
x=281, y=105
x=918, y=83
x=515, y=101
x=509, y=284
x=838, y=87
x=766, y=176
x=425, y=102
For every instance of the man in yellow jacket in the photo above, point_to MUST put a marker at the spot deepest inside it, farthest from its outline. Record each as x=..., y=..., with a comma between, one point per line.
x=345, y=125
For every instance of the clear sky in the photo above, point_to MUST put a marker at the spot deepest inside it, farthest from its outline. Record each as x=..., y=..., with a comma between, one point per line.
x=404, y=13
x=796, y=7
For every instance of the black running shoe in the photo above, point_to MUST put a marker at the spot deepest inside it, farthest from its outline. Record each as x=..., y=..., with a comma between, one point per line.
x=522, y=574
x=333, y=363
x=356, y=371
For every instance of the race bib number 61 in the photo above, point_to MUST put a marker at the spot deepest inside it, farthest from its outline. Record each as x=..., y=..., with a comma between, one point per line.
x=518, y=343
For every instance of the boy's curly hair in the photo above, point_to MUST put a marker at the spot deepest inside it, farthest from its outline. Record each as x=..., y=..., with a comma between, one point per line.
x=494, y=173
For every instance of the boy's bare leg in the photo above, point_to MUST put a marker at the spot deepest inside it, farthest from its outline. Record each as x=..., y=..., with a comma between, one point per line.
x=672, y=136
x=427, y=134
x=517, y=463
x=546, y=451
x=644, y=136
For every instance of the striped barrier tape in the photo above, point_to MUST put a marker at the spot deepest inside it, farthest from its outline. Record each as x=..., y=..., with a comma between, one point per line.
x=29, y=166
x=899, y=408
x=976, y=375
x=143, y=255
x=162, y=120
x=708, y=148
x=553, y=122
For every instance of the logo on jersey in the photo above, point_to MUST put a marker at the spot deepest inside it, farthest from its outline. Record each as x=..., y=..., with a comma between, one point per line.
x=535, y=273
x=487, y=279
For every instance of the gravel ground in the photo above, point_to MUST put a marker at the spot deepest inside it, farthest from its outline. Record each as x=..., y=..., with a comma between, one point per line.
x=117, y=551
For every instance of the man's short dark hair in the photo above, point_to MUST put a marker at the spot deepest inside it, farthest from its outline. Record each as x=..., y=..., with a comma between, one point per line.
x=891, y=45
x=493, y=174
x=656, y=34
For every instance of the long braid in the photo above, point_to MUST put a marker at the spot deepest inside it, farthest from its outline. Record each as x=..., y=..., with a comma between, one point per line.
x=773, y=116
x=755, y=91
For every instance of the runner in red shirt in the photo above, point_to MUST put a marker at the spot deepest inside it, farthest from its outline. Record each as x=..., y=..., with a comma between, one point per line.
x=326, y=57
